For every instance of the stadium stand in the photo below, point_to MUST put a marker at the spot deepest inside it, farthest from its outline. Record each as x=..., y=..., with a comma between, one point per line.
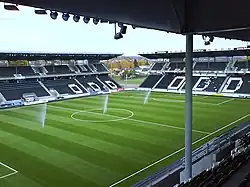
x=207, y=84
x=100, y=68
x=245, y=88
x=158, y=66
x=165, y=81
x=74, y=69
x=108, y=81
x=201, y=66
x=241, y=65
x=150, y=81
x=25, y=71
x=91, y=83
x=194, y=81
x=229, y=158
x=7, y=71
x=84, y=68
x=217, y=66
x=61, y=69
x=14, y=90
x=224, y=75
x=238, y=84
x=221, y=173
x=205, y=81
x=39, y=69
x=49, y=77
x=171, y=67
x=63, y=86
x=175, y=66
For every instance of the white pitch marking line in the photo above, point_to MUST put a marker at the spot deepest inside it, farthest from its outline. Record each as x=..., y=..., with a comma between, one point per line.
x=181, y=101
x=170, y=126
x=14, y=171
x=91, y=111
x=205, y=97
x=176, y=152
x=223, y=102
x=136, y=120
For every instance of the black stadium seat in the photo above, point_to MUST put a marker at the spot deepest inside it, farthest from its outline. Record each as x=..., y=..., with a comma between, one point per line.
x=176, y=66
x=25, y=71
x=84, y=68
x=61, y=69
x=201, y=66
x=7, y=71
x=158, y=66
x=220, y=174
x=13, y=90
x=108, y=81
x=164, y=83
x=62, y=86
x=215, y=66
x=100, y=68
x=91, y=83
x=150, y=81
x=241, y=65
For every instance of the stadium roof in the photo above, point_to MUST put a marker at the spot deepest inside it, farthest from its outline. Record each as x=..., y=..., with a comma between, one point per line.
x=197, y=54
x=222, y=18
x=56, y=56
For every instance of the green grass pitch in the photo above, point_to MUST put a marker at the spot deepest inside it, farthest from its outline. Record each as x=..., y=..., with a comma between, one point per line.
x=136, y=81
x=4, y=171
x=82, y=147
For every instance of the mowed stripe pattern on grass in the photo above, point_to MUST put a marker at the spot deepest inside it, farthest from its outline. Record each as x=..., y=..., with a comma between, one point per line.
x=69, y=152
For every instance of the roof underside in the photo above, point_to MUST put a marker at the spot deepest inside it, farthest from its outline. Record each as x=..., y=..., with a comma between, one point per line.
x=223, y=18
x=198, y=54
x=56, y=56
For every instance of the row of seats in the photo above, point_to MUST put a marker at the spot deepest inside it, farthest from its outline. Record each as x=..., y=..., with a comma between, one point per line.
x=246, y=181
x=176, y=82
x=217, y=176
x=201, y=66
x=242, y=65
x=51, y=70
x=15, y=89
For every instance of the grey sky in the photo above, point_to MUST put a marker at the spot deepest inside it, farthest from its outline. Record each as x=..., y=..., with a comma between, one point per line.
x=24, y=31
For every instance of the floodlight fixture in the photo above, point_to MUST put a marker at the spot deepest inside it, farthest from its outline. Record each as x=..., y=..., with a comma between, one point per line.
x=76, y=18
x=207, y=42
x=65, y=16
x=95, y=21
x=11, y=7
x=40, y=12
x=123, y=29
x=120, y=25
x=211, y=39
x=53, y=15
x=207, y=39
x=118, y=36
x=86, y=19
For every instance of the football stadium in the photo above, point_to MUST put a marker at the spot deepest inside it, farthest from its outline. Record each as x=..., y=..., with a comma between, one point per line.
x=66, y=121
x=97, y=129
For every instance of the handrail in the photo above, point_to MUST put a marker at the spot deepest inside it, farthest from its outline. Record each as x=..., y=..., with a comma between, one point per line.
x=206, y=149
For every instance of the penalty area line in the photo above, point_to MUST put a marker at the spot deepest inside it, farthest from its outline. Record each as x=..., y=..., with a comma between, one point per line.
x=14, y=171
x=223, y=102
x=178, y=151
